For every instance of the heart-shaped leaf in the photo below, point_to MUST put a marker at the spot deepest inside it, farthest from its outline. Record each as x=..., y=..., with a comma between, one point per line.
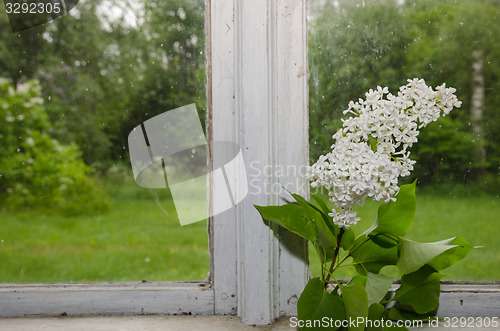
x=371, y=256
x=397, y=216
x=376, y=287
x=377, y=312
x=355, y=303
x=451, y=256
x=413, y=255
x=316, y=302
x=325, y=232
x=321, y=203
x=292, y=217
x=420, y=289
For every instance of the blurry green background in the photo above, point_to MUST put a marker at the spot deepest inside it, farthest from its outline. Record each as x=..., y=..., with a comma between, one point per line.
x=72, y=90
x=355, y=45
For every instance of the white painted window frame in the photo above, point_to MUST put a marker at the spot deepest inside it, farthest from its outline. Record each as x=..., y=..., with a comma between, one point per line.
x=258, y=98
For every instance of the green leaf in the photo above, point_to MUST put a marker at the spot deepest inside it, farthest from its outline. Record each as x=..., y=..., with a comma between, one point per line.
x=372, y=257
x=321, y=204
x=315, y=303
x=396, y=314
x=384, y=239
x=325, y=232
x=358, y=278
x=326, y=239
x=391, y=271
x=453, y=255
x=376, y=287
x=373, y=143
x=321, y=253
x=292, y=217
x=348, y=236
x=347, y=239
x=355, y=303
x=375, y=313
x=396, y=216
x=413, y=255
x=324, y=213
x=420, y=290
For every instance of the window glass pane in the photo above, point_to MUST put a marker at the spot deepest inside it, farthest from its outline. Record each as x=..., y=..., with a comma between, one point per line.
x=71, y=92
x=356, y=45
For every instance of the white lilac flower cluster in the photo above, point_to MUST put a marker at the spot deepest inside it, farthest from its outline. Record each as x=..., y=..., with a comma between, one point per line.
x=371, y=151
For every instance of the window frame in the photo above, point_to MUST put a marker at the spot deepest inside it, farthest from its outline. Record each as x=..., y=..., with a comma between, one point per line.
x=258, y=76
x=257, y=71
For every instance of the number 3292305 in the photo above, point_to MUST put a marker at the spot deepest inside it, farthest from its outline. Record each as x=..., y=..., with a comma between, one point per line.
x=470, y=322
x=33, y=8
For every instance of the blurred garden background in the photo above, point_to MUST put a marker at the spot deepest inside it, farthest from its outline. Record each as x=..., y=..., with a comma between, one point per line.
x=72, y=90
x=355, y=45
x=70, y=93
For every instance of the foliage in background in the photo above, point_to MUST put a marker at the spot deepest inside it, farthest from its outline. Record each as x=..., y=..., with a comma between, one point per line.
x=357, y=45
x=102, y=75
x=37, y=170
x=102, y=69
x=174, y=59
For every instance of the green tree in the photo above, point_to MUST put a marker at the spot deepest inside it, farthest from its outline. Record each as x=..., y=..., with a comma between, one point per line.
x=84, y=80
x=102, y=74
x=20, y=52
x=353, y=47
x=446, y=35
x=36, y=170
x=175, y=62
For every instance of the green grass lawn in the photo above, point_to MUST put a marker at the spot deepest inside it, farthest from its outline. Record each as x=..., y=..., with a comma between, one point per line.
x=136, y=240
x=438, y=217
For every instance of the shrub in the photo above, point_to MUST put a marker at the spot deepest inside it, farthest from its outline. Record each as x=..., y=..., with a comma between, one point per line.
x=36, y=170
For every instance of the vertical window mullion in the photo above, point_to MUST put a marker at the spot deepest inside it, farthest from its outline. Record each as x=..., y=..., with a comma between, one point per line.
x=258, y=68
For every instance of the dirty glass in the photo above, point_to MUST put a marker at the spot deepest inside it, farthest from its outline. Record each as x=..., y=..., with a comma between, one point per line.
x=358, y=45
x=82, y=86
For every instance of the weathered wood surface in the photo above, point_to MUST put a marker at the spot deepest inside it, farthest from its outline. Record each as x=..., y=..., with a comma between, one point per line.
x=258, y=99
x=106, y=299
x=167, y=298
x=469, y=300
